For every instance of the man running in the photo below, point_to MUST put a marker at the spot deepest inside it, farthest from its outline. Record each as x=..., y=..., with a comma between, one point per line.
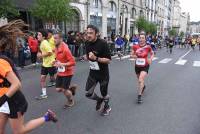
x=65, y=63
x=140, y=53
x=48, y=59
x=98, y=54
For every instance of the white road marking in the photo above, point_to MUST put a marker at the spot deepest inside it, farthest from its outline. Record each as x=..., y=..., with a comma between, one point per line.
x=124, y=57
x=155, y=58
x=185, y=54
x=196, y=63
x=181, y=62
x=166, y=60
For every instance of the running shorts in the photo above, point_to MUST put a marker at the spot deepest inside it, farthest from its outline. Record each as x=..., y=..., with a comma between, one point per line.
x=138, y=70
x=63, y=82
x=48, y=70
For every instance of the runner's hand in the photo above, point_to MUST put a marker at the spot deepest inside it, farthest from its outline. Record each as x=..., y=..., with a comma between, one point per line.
x=39, y=55
x=149, y=61
x=92, y=56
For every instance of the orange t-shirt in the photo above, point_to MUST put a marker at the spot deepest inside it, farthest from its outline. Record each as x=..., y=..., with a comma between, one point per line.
x=4, y=69
x=63, y=55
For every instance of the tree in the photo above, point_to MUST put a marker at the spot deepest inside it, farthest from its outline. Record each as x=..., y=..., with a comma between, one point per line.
x=52, y=11
x=182, y=34
x=141, y=24
x=7, y=9
x=148, y=27
x=172, y=32
x=151, y=28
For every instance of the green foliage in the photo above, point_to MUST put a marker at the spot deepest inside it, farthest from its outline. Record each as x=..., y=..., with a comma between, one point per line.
x=182, y=34
x=7, y=9
x=172, y=32
x=52, y=10
x=143, y=25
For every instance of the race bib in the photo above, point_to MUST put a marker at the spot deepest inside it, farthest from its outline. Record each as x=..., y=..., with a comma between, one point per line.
x=94, y=65
x=140, y=61
x=61, y=69
x=5, y=108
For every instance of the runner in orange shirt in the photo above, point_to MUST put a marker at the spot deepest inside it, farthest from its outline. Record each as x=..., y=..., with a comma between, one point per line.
x=65, y=63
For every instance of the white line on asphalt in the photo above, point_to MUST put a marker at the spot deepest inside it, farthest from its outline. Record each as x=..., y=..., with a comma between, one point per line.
x=115, y=56
x=166, y=60
x=185, y=54
x=155, y=58
x=132, y=59
x=181, y=62
x=124, y=57
x=196, y=63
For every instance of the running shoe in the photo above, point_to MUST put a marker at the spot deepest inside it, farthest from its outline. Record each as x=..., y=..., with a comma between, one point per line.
x=106, y=111
x=139, y=99
x=51, y=84
x=41, y=97
x=69, y=104
x=51, y=116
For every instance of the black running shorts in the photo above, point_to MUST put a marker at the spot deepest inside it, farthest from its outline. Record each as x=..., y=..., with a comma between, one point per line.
x=63, y=82
x=48, y=70
x=138, y=70
x=17, y=103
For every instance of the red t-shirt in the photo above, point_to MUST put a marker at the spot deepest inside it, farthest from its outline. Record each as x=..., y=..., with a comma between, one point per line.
x=142, y=54
x=33, y=44
x=63, y=55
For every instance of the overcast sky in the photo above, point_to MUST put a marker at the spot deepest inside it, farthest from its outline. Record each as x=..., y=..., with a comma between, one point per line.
x=193, y=7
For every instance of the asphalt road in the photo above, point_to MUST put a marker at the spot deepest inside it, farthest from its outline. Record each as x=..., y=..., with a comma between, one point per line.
x=171, y=101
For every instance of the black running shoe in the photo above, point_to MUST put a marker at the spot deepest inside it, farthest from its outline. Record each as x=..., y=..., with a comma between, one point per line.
x=99, y=103
x=106, y=111
x=139, y=99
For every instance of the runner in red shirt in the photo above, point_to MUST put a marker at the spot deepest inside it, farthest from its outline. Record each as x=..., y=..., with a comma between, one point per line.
x=142, y=62
x=65, y=63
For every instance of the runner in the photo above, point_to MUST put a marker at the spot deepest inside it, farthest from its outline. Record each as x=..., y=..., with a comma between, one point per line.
x=53, y=46
x=140, y=53
x=65, y=63
x=13, y=104
x=193, y=43
x=98, y=54
x=48, y=59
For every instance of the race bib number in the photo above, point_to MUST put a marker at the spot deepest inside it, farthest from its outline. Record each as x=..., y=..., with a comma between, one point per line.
x=61, y=69
x=140, y=61
x=5, y=108
x=94, y=65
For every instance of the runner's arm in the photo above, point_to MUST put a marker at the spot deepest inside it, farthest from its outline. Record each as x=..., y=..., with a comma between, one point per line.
x=15, y=83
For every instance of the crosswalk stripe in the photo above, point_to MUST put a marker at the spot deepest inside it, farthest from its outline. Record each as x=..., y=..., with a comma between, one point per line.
x=131, y=59
x=166, y=60
x=124, y=57
x=196, y=63
x=155, y=58
x=181, y=62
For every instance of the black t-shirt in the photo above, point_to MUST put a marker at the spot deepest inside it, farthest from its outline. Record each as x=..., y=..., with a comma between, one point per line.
x=101, y=49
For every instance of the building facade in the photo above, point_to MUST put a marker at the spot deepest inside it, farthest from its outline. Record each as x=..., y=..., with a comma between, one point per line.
x=161, y=17
x=184, y=19
x=176, y=15
x=111, y=16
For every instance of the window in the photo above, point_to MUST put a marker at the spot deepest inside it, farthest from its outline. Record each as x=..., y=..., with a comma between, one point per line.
x=112, y=6
x=133, y=13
